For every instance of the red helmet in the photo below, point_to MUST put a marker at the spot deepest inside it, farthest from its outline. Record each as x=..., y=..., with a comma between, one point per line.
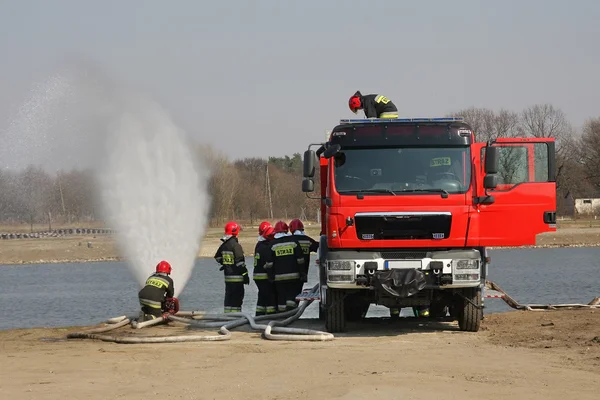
x=280, y=227
x=354, y=103
x=163, y=267
x=263, y=227
x=296, y=225
x=232, y=228
x=268, y=233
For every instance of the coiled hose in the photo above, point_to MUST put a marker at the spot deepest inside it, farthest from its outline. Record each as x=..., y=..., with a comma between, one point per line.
x=225, y=322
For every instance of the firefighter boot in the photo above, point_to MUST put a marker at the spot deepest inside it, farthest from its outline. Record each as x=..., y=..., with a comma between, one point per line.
x=422, y=311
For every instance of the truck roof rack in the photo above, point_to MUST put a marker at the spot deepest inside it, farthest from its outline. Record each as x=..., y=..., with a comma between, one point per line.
x=400, y=120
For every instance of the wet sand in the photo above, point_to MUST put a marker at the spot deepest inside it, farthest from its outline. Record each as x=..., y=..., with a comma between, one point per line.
x=516, y=355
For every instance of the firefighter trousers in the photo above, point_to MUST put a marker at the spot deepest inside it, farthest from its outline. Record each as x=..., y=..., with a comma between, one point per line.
x=286, y=294
x=234, y=296
x=147, y=313
x=267, y=297
x=299, y=287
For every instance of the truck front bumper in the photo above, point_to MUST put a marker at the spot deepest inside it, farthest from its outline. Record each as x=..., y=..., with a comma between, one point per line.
x=443, y=269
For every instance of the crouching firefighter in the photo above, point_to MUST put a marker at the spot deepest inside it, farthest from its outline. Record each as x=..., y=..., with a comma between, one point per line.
x=285, y=266
x=233, y=264
x=373, y=105
x=157, y=296
x=267, y=299
x=308, y=244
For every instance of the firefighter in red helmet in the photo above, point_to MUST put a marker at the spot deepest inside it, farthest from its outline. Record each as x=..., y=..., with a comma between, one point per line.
x=267, y=299
x=157, y=291
x=373, y=105
x=285, y=266
x=308, y=244
x=233, y=264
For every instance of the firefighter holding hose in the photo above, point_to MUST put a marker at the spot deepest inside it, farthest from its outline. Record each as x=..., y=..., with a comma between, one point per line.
x=374, y=105
x=157, y=295
x=233, y=264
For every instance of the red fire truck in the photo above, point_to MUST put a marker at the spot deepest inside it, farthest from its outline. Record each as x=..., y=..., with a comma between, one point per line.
x=409, y=206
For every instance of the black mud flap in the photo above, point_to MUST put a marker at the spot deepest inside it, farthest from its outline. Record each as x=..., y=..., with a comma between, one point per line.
x=399, y=282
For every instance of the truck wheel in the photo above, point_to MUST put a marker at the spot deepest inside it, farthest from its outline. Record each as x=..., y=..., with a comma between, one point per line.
x=335, y=319
x=322, y=312
x=469, y=315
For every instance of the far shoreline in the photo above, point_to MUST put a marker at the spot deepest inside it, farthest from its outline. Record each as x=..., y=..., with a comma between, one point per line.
x=200, y=257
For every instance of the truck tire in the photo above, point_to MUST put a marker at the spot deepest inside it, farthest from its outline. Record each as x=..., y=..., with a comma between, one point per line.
x=335, y=319
x=322, y=312
x=469, y=315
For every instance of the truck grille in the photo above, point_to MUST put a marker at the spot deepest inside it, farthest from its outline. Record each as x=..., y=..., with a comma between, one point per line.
x=403, y=226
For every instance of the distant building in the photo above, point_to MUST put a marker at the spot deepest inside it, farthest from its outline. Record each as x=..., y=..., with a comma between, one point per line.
x=587, y=207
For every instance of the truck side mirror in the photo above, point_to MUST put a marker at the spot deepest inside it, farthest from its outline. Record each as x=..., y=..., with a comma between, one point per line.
x=491, y=160
x=308, y=185
x=309, y=164
x=490, y=181
x=332, y=150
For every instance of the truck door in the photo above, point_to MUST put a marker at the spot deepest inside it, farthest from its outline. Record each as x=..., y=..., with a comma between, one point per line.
x=525, y=198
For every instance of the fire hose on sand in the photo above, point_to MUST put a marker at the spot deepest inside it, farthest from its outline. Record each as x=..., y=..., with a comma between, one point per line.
x=225, y=322
x=275, y=329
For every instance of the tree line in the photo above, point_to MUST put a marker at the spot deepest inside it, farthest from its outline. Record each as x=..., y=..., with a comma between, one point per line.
x=252, y=189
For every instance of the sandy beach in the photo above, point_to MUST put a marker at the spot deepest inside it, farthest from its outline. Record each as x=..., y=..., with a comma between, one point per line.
x=516, y=355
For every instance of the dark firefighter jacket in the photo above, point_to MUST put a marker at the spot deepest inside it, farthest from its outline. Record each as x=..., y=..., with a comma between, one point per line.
x=260, y=258
x=308, y=245
x=375, y=104
x=285, y=259
x=158, y=287
x=231, y=256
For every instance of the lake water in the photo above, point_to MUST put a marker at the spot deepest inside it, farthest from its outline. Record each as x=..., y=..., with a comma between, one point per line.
x=51, y=295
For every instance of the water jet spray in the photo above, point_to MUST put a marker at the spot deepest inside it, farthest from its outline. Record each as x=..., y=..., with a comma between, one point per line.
x=152, y=186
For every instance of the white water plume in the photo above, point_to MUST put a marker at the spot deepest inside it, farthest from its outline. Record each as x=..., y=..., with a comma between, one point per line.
x=152, y=191
x=152, y=186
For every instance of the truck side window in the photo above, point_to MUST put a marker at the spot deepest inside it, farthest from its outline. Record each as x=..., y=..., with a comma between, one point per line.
x=521, y=163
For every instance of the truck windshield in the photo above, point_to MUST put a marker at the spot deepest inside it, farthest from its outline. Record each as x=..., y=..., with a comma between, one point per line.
x=392, y=171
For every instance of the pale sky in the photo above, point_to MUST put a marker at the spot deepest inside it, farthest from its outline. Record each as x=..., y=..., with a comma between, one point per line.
x=261, y=78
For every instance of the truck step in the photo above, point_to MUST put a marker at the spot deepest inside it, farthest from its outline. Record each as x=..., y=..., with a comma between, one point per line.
x=309, y=294
x=492, y=294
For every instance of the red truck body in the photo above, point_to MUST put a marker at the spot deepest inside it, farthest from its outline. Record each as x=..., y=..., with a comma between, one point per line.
x=379, y=197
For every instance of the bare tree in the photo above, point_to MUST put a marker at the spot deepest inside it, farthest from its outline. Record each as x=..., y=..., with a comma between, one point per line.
x=589, y=153
x=488, y=125
x=545, y=121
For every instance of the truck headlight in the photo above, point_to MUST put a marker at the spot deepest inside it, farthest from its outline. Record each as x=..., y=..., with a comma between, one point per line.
x=340, y=265
x=466, y=277
x=466, y=264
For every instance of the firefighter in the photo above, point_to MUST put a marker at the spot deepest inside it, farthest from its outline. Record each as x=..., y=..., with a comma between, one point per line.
x=285, y=266
x=373, y=105
x=308, y=245
x=267, y=298
x=156, y=292
x=233, y=264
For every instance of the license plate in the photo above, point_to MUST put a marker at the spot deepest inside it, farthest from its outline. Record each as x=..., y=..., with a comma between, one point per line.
x=402, y=264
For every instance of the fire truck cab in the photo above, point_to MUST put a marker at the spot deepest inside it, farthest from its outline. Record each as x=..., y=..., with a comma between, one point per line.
x=409, y=206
